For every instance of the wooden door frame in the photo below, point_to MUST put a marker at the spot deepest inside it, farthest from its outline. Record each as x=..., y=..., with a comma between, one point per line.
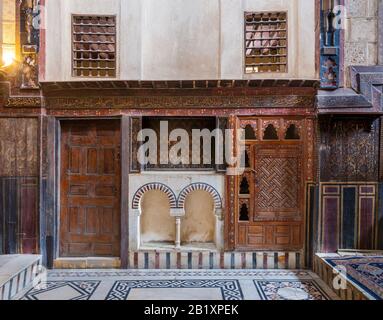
x=232, y=182
x=51, y=214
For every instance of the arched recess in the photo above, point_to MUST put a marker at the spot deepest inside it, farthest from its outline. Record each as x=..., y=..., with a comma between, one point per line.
x=156, y=225
x=203, y=187
x=154, y=186
x=198, y=225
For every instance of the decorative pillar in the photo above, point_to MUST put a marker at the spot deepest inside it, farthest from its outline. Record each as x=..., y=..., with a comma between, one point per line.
x=134, y=230
x=178, y=213
x=178, y=233
x=219, y=229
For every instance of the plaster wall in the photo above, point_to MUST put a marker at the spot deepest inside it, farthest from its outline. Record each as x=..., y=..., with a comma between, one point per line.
x=181, y=39
x=156, y=223
x=198, y=224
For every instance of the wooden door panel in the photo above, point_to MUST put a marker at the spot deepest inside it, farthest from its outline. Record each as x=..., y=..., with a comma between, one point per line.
x=90, y=189
x=271, y=236
x=278, y=182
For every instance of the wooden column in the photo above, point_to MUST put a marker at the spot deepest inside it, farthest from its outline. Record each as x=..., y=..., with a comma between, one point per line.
x=125, y=165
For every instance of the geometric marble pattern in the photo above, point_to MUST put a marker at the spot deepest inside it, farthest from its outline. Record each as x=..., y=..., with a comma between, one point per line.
x=230, y=289
x=181, y=285
x=290, y=290
x=63, y=290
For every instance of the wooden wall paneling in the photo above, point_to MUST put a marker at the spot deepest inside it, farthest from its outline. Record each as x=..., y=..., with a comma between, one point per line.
x=381, y=149
x=311, y=223
x=18, y=161
x=18, y=146
x=125, y=165
x=222, y=123
x=50, y=197
x=380, y=218
x=9, y=212
x=231, y=199
x=367, y=217
x=330, y=218
x=2, y=219
x=28, y=215
x=349, y=150
x=135, y=127
x=43, y=174
x=349, y=215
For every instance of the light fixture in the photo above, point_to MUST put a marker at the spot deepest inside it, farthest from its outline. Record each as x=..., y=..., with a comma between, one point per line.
x=8, y=56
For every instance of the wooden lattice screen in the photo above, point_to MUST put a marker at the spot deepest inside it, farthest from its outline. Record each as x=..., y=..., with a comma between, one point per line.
x=94, y=46
x=265, y=42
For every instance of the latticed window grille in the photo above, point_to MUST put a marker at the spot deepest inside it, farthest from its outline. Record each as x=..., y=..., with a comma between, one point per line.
x=94, y=46
x=265, y=42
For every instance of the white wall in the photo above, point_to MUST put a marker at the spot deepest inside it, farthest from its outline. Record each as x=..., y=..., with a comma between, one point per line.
x=181, y=39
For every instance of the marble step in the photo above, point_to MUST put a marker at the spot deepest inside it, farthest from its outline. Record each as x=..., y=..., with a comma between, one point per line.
x=18, y=273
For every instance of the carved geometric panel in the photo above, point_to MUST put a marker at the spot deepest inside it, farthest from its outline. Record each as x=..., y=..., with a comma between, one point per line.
x=278, y=187
x=18, y=147
x=349, y=150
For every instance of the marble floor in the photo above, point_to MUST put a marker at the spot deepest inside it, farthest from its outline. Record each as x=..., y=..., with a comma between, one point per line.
x=179, y=285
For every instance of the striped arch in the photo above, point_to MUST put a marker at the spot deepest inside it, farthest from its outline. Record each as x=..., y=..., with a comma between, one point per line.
x=199, y=186
x=154, y=186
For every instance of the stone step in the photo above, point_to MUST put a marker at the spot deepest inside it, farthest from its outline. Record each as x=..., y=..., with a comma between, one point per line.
x=17, y=274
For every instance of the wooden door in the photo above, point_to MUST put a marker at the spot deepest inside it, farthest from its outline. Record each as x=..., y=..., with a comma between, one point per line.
x=90, y=189
x=271, y=191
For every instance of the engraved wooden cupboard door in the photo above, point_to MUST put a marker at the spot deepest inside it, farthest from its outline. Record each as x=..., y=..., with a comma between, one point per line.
x=90, y=188
x=278, y=182
x=278, y=197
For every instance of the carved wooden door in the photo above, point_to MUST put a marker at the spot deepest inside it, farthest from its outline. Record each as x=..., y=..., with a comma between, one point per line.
x=90, y=189
x=271, y=192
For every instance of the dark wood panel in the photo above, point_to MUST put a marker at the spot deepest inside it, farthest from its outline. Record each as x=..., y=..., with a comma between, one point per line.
x=19, y=216
x=18, y=147
x=90, y=188
x=350, y=150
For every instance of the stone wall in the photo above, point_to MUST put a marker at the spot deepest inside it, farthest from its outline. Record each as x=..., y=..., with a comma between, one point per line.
x=361, y=34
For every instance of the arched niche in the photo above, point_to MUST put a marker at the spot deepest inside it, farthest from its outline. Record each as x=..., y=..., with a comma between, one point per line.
x=198, y=224
x=270, y=133
x=156, y=223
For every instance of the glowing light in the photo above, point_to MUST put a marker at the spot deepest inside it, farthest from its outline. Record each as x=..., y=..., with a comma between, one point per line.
x=8, y=57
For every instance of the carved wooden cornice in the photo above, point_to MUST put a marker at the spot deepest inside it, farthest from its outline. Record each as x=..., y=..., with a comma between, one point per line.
x=179, y=102
x=24, y=102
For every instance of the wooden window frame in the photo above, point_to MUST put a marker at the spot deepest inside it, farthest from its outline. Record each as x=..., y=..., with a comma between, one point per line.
x=286, y=64
x=104, y=69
